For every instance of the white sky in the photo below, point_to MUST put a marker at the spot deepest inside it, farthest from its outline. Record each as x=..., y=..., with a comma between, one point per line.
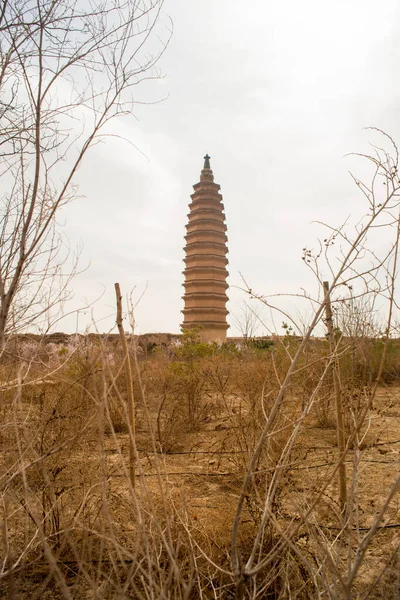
x=277, y=93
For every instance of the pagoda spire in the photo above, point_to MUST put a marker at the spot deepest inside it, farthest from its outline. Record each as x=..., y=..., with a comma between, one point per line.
x=206, y=173
x=205, y=260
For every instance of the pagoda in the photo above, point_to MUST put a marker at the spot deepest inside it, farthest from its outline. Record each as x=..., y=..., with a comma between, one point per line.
x=205, y=261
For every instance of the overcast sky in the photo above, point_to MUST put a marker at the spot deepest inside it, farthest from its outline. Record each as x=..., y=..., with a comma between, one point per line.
x=277, y=93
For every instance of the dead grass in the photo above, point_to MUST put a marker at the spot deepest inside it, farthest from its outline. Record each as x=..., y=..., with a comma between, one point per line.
x=73, y=526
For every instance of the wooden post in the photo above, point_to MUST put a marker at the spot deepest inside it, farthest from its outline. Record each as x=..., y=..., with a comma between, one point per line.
x=129, y=386
x=338, y=400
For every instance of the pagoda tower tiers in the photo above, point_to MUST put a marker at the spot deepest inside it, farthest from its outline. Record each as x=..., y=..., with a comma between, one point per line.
x=205, y=260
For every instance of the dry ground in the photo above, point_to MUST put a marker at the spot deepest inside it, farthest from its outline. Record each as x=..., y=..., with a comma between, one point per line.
x=202, y=478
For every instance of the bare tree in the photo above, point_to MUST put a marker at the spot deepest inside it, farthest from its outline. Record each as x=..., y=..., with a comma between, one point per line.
x=248, y=320
x=67, y=67
x=366, y=271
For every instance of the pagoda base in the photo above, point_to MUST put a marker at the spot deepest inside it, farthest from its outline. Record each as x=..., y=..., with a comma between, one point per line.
x=209, y=332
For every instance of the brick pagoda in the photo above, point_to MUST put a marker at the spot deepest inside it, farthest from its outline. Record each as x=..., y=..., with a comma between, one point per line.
x=205, y=259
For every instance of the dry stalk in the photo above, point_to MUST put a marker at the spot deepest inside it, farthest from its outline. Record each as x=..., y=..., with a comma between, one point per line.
x=338, y=401
x=129, y=386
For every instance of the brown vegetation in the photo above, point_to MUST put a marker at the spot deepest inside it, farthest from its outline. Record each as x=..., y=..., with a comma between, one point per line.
x=74, y=527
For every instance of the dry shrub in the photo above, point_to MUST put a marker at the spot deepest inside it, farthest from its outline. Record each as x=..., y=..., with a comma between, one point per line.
x=184, y=396
x=65, y=474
